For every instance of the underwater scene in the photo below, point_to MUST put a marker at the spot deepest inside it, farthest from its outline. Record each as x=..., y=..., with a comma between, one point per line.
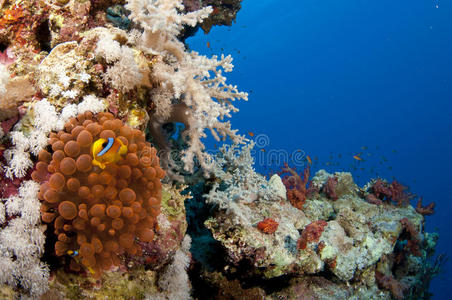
x=225, y=149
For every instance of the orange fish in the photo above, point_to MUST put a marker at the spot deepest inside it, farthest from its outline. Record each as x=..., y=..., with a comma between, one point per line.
x=357, y=157
x=208, y=44
x=309, y=159
x=251, y=134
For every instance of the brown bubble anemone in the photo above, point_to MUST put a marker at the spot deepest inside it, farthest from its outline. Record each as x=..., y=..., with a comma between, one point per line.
x=99, y=214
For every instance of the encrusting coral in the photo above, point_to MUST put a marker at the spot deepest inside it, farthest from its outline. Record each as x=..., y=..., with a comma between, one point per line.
x=98, y=213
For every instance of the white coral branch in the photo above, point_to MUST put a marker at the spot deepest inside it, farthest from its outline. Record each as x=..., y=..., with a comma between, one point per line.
x=22, y=242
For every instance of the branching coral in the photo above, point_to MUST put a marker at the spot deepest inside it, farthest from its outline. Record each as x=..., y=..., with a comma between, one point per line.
x=296, y=186
x=98, y=213
x=425, y=210
x=234, y=170
x=185, y=79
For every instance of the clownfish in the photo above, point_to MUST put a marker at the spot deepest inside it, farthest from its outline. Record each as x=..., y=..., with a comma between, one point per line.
x=107, y=151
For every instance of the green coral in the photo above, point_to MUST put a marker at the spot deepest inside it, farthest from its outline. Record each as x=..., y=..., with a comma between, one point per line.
x=173, y=201
x=134, y=284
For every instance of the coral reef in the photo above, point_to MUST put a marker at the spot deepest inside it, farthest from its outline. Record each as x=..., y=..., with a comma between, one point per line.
x=347, y=237
x=86, y=87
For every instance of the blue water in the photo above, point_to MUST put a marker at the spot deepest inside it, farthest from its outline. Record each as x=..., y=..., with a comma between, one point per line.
x=335, y=79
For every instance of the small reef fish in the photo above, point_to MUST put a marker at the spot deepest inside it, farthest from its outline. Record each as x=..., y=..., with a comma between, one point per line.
x=251, y=134
x=309, y=159
x=208, y=44
x=73, y=254
x=358, y=156
x=107, y=151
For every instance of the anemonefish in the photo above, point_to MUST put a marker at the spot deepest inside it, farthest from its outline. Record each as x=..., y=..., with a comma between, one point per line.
x=107, y=151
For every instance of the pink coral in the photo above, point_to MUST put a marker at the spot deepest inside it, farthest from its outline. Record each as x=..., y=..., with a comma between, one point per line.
x=372, y=199
x=395, y=192
x=330, y=188
x=311, y=233
x=413, y=239
x=388, y=282
x=296, y=187
x=425, y=210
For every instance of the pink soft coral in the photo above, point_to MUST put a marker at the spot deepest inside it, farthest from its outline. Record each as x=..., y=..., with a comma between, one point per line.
x=330, y=188
x=296, y=187
x=395, y=192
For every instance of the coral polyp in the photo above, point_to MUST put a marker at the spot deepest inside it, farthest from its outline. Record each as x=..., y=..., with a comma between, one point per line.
x=97, y=213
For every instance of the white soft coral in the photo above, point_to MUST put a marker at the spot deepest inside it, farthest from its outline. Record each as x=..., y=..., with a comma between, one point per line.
x=22, y=242
x=195, y=82
x=45, y=119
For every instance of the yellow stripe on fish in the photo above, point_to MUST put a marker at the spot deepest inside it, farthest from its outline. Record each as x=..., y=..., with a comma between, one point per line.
x=107, y=151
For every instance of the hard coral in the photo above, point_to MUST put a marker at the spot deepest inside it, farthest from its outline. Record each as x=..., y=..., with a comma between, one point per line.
x=296, y=187
x=311, y=233
x=99, y=214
